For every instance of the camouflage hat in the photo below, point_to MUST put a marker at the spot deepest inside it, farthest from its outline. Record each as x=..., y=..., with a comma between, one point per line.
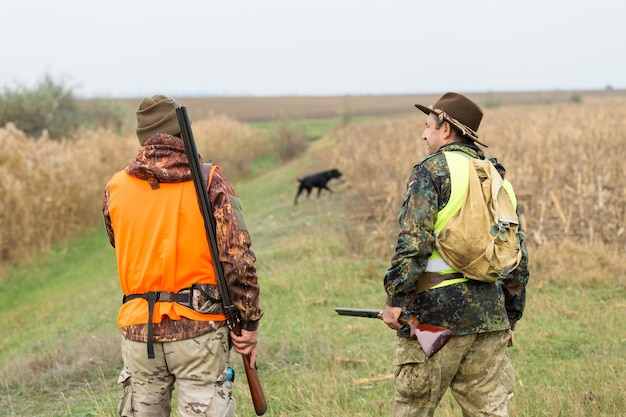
x=458, y=110
x=157, y=114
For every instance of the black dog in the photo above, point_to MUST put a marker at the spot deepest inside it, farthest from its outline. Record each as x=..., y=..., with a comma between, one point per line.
x=318, y=181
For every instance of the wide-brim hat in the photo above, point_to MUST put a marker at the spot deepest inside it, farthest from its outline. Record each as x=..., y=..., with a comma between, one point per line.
x=458, y=110
x=157, y=114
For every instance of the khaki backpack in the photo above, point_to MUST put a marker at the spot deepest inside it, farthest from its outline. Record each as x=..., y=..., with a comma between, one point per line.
x=482, y=240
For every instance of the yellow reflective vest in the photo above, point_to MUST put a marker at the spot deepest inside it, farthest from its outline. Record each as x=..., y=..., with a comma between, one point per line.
x=459, y=183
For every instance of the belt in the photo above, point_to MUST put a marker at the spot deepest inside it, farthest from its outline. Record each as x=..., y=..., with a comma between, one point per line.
x=153, y=298
x=160, y=296
x=427, y=280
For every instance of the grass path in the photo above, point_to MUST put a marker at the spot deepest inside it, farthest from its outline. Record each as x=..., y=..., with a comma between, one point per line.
x=59, y=353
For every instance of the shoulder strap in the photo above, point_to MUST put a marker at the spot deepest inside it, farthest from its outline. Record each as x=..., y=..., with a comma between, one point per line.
x=207, y=172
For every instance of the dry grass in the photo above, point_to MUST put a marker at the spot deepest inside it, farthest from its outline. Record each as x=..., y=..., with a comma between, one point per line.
x=376, y=159
x=566, y=162
x=229, y=143
x=52, y=190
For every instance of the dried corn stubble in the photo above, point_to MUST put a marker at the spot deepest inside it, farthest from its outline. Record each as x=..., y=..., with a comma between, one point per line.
x=565, y=161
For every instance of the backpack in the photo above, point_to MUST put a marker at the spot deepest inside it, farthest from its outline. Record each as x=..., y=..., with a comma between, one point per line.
x=482, y=240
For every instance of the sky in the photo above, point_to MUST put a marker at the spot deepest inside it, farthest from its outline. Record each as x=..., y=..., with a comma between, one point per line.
x=137, y=48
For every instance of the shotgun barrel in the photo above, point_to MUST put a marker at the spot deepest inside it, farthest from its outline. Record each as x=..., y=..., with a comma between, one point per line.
x=431, y=338
x=232, y=317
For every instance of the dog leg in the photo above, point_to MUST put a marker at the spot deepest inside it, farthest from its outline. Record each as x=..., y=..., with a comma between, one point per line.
x=300, y=189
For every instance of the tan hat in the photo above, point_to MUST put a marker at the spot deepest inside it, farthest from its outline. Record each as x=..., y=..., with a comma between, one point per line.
x=459, y=111
x=157, y=114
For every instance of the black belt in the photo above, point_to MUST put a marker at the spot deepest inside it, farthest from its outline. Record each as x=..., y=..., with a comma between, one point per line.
x=153, y=298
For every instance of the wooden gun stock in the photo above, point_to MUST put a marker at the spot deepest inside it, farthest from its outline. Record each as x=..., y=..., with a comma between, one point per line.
x=431, y=338
x=256, y=391
x=254, y=383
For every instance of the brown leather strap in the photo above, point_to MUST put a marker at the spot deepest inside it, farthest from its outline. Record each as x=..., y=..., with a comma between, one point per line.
x=206, y=170
x=427, y=280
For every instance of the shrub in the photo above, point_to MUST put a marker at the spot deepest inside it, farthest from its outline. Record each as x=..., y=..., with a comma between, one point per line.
x=52, y=107
x=105, y=114
x=49, y=107
x=230, y=144
x=576, y=97
x=289, y=139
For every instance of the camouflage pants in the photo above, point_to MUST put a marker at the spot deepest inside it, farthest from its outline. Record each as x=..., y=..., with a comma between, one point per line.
x=475, y=367
x=197, y=366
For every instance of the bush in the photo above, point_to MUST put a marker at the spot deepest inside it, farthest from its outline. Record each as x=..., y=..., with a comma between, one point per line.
x=289, y=139
x=105, y=114
x=52, y=107
x=575, y=97
x=227, y=142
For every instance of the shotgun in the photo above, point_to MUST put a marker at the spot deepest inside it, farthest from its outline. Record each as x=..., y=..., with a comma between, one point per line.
x=232, y=316
x=431, y=338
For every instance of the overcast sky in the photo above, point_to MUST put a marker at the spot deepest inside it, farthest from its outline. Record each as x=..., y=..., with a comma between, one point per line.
x=133, y=48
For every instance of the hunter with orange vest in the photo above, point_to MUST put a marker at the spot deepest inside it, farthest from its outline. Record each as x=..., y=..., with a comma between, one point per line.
x=172, y=321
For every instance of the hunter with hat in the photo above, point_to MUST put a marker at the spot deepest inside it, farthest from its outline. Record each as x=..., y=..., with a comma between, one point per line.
x=172, y=320
x=474, y=363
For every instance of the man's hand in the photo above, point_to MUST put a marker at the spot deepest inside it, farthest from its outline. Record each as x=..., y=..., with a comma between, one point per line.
x=245, y=344
x=390, y=316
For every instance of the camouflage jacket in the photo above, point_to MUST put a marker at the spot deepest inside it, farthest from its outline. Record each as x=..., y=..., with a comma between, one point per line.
x=465, y=308
x=163, y=159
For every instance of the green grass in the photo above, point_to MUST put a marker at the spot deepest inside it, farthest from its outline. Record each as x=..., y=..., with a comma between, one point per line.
x=571, y=352
x=59, y=351
x=317, y=128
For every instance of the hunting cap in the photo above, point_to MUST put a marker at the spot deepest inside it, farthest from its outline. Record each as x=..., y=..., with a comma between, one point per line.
x=458, y=110
x=157, y=114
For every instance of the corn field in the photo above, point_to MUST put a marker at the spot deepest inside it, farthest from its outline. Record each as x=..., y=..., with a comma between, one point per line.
x=566, y=162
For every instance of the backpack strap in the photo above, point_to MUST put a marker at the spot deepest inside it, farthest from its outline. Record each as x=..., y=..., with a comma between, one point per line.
x=207, y=172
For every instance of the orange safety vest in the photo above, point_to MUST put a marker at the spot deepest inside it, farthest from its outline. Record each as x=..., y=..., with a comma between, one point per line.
x=161, y=245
